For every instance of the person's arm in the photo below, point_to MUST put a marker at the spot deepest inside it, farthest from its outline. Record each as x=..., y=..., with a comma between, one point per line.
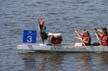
x=76, y=38
x=86, y=40
x=80, y=33
x=98, y=32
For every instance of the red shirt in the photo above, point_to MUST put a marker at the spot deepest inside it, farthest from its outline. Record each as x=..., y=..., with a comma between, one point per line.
x=104, y=40
x=86, y=38
x=41, y=23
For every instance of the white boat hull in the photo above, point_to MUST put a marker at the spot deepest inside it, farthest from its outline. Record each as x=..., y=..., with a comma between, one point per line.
x=63, y=48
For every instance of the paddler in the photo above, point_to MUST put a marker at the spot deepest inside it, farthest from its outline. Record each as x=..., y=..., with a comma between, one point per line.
x=85, y=36
x=42, y=27
x=55, y=39
x=103, y=36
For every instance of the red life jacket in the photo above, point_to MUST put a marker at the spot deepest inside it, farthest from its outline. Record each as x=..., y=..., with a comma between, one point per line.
x=86, y=38
x=104, y=40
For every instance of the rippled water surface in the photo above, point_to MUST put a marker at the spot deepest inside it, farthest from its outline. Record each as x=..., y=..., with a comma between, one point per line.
x=61, y=16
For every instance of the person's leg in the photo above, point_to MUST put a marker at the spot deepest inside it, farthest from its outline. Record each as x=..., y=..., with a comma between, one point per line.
x=42, y=37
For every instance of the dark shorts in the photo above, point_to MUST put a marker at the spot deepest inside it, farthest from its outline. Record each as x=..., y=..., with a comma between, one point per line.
x=43, y=35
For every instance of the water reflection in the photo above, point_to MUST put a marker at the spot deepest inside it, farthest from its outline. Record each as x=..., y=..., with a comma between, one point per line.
x=94, y=61
x=104, y=58
x=29, y=63
x=86, y=62
x=86, y=58
x=62, y=61
x=42, y=62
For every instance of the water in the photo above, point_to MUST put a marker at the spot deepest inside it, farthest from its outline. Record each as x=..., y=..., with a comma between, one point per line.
x=61, y=16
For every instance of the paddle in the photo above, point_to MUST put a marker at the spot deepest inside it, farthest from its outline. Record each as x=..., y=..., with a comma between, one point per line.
x=76, y=31
x=97, y=36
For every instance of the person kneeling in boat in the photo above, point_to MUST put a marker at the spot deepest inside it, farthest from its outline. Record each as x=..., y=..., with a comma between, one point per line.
x=55, y=39
x=103, y=36
x=85, y=37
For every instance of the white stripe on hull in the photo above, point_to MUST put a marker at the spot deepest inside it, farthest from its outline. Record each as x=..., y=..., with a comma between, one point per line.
x=64, y=48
